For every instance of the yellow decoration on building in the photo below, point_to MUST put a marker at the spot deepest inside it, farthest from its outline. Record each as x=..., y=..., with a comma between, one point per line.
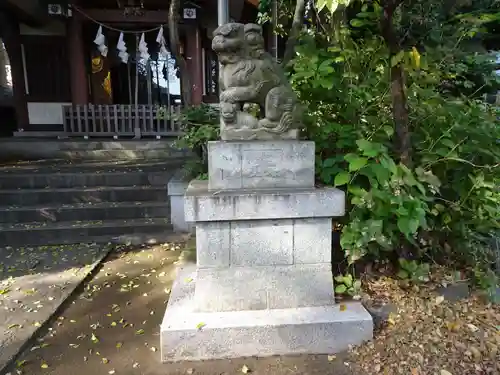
x=97, y=64
x=107, y=84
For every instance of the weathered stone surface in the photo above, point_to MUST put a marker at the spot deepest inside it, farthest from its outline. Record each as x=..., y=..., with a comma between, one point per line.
x=260, y=165
x=248, y=74
x=380, y=312
x=264, y=242
x=204, y=205
x=232, y=334
x=213, y=244
x=241, y=134
x=176, y=188
x=258, y=288
x=455, y=292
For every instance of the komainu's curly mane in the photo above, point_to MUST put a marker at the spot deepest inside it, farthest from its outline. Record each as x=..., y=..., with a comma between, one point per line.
x=244, y=70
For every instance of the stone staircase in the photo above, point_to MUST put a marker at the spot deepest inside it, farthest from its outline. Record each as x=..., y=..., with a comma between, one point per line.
x=55, y=202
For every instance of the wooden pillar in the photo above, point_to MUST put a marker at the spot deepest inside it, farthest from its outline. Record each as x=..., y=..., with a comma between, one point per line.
x=12, y=39
x=195, y=64
x=76, y=53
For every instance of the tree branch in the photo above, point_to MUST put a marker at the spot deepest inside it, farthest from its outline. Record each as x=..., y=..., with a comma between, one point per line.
x=298, y=20
x=175, y=47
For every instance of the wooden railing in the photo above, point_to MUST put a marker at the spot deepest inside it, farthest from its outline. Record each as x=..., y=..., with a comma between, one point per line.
x=120, y=120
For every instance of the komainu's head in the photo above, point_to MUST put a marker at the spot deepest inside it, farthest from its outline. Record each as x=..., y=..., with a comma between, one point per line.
x=254, y=40
x=229, y=42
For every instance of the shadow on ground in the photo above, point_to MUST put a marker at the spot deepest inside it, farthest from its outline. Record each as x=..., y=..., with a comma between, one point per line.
x=113, y=326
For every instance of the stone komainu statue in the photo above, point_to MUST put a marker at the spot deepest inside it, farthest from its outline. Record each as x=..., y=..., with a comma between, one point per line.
x=250, y=75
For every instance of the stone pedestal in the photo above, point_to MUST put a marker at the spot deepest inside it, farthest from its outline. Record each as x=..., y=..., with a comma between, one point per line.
x=263, y=283
x=176, y=188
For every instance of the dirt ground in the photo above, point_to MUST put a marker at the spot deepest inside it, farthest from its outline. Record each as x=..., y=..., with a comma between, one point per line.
x=113, y=328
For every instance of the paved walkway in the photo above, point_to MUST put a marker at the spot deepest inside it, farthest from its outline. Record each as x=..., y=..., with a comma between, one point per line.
x=113, y=328
x=34, y=282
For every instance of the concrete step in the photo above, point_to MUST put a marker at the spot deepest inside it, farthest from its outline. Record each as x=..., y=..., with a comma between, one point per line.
x=85, y=212
x=33, y=197
x=91, y=149
x=32, y=234
x=84, y=179
x=108, y=166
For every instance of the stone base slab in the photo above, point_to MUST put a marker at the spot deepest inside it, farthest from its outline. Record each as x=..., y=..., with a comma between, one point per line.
x=260, y=164
x=264, y=243
x=187, y=335
x=201, y=204
x=262, y=288
x=232, y=134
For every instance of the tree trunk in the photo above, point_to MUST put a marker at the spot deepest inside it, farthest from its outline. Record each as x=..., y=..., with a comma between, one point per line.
x=398, y=94
x=4, y=61
x=399, y=101
x=175, y=47
x=298, y=21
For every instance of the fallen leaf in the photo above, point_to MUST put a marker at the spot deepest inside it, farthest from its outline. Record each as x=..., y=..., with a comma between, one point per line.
x=444, y=372
x=200, y=325
x=190, y=371
x=139, y=332
x=119, y=345
x=105, y=361
x=245, y=369
x=342, y=307
x=332, y=358
x=111, y=372
x=44, y=365
x=153, y=349
x=439, y=300
x=188, y=280
x=94, y=338
x=14, y=326
x=472, y=327
x=4, y=291
x=21, y=363
x=135, y=365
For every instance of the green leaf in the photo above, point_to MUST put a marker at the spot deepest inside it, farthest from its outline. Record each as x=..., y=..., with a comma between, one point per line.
x=389, y=130
x=330, y=162
x=339, y=279
x=402, y=274
x=348, y=279
x=356, y=22
x=355, y=164
x=396, y=59
x=340, y=289
x=342, y=178
x=408, y=225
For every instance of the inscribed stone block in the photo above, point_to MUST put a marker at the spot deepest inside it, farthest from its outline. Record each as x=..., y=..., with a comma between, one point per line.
x=260, y=164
